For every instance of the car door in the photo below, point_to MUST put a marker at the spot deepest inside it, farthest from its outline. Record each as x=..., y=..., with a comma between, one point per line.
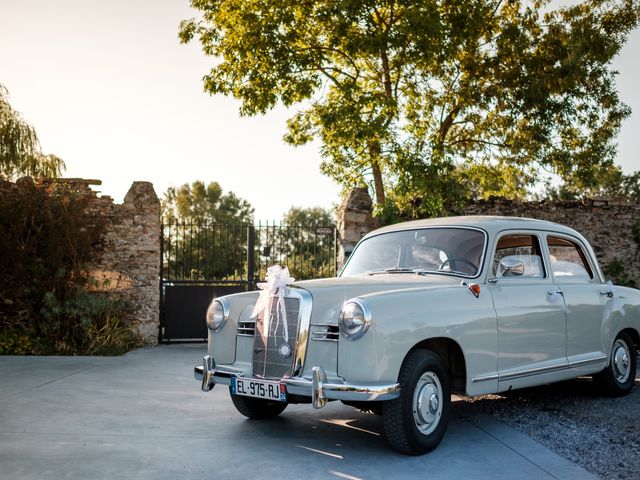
x=585, y=296
x=531, y=320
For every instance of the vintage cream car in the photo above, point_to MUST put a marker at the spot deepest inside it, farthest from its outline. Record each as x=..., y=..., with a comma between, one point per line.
x=422, y=309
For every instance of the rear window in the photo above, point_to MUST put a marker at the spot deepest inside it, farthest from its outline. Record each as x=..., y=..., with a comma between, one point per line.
x=568, y=260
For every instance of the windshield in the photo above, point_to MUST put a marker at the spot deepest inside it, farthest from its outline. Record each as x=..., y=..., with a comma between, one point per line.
x=456, y=251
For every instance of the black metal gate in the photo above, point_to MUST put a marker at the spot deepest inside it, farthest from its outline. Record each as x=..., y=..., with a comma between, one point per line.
x=203, y=261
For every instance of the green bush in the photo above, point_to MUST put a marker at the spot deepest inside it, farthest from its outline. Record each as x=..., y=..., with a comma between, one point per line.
x=615, y=270
x=87, y=323
x=48, y=238
x=14, y=341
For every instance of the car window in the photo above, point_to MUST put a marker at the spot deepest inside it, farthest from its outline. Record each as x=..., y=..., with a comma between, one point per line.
x=568, y=259
x=522, y=248
x=442, y=250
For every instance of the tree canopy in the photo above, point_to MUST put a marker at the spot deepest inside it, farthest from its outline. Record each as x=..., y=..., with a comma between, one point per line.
x=307, y=242
x=20, y=152
x=205, y=232
x=200, y=203
x=429, y=101
x=309, y=216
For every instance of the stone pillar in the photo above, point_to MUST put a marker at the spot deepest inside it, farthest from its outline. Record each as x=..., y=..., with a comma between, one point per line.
x=355, y=220
x=144, y=257
x=129, y=266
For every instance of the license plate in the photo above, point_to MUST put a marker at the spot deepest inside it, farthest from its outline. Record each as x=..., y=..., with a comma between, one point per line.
x=250, y=387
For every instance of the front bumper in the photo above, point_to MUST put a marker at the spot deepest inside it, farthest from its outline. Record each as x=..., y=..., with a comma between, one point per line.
x=317, y=387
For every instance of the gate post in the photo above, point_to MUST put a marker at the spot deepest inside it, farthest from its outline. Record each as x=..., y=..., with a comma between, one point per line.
x=161, y=306
x=251, y=257
x=355, y=220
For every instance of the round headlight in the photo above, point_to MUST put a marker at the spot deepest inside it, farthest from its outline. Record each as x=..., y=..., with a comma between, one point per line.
x=217, y=313
x=354, y=319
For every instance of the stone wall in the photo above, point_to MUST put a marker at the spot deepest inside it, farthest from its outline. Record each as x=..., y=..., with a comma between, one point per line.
x=611, y=226
x=129, y=256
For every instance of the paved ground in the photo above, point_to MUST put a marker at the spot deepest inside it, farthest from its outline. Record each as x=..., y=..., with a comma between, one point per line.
x=143, y=416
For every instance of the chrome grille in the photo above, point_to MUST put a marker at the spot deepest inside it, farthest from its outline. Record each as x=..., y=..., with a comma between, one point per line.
x=267, y=360
x=247, y=328
x=326, y=333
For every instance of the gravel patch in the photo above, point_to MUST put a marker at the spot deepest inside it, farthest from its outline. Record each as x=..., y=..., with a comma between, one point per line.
x=575, y=420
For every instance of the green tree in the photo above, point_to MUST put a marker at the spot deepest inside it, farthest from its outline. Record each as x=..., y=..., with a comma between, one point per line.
x=205, y=232
x=610, y=181
x=200, y=203
x=429, y=101
x=308, y=241
x=20, y=152
x=310, y=216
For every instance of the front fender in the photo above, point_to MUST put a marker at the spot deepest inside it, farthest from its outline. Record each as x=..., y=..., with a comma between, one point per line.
x=403, y=318
x=222, y=343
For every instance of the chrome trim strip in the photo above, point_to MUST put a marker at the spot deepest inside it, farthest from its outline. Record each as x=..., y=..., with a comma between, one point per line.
x=588, y=361
x=325, y=332
x=552, y=368
x=304, y=319
x=246, y=328
x=486, y=378
x=533, y=371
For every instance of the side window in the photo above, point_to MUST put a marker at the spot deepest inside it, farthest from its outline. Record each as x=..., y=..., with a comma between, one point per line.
x=522, y=248
x=568, y=259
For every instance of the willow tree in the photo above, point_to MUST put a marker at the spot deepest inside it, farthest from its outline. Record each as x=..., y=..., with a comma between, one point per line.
x=428, y=99
x=20, y=152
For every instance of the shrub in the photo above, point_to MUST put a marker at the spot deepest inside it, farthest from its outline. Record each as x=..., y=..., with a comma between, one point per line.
x=47, y=239
x=87, y=323
x=619, y=275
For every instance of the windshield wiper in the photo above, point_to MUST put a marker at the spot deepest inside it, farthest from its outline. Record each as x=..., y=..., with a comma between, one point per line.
x=392, y=270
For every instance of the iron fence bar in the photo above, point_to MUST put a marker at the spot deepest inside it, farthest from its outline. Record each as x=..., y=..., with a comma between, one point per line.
x=335, y=252
x=250, y=257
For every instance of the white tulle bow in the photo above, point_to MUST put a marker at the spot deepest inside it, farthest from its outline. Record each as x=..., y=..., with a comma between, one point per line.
x=276, y=284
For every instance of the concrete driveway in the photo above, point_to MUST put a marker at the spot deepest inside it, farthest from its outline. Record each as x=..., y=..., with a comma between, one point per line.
x=143, y=416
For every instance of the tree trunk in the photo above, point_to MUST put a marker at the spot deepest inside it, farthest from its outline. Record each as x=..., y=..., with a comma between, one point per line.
x=374, y=154
x=374, y=147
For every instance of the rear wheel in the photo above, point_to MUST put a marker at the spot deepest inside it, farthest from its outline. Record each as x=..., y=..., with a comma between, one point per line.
x=618, y=378
x=415, y=422
x=257, y=408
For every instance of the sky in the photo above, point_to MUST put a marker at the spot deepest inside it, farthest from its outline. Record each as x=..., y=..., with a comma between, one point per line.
x=110, y=89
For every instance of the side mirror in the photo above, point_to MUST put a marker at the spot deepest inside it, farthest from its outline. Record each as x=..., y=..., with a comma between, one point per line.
x=508, y=267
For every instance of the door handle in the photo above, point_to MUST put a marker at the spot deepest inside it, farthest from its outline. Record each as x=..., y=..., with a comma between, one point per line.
x=608, y=293
x=554, y=292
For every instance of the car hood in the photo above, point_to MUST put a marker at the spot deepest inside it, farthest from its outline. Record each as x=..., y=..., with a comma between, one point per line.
x=375, y=283
x=330, y=293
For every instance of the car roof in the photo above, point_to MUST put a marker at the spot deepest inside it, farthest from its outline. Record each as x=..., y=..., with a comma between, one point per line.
x=491, y=224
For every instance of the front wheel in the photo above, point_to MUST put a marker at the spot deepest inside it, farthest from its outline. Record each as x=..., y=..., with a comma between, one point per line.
x=618, y=378
x=415, y=422
x=256, y=408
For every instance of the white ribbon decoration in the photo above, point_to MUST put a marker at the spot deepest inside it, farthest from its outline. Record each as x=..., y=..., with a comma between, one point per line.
x=276, y=284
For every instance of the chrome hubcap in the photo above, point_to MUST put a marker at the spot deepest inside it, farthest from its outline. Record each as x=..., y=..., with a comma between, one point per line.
x=621, y=360
x=427, y=403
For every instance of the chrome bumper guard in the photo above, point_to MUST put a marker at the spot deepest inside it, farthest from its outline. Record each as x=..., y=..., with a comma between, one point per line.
x=317, y=387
